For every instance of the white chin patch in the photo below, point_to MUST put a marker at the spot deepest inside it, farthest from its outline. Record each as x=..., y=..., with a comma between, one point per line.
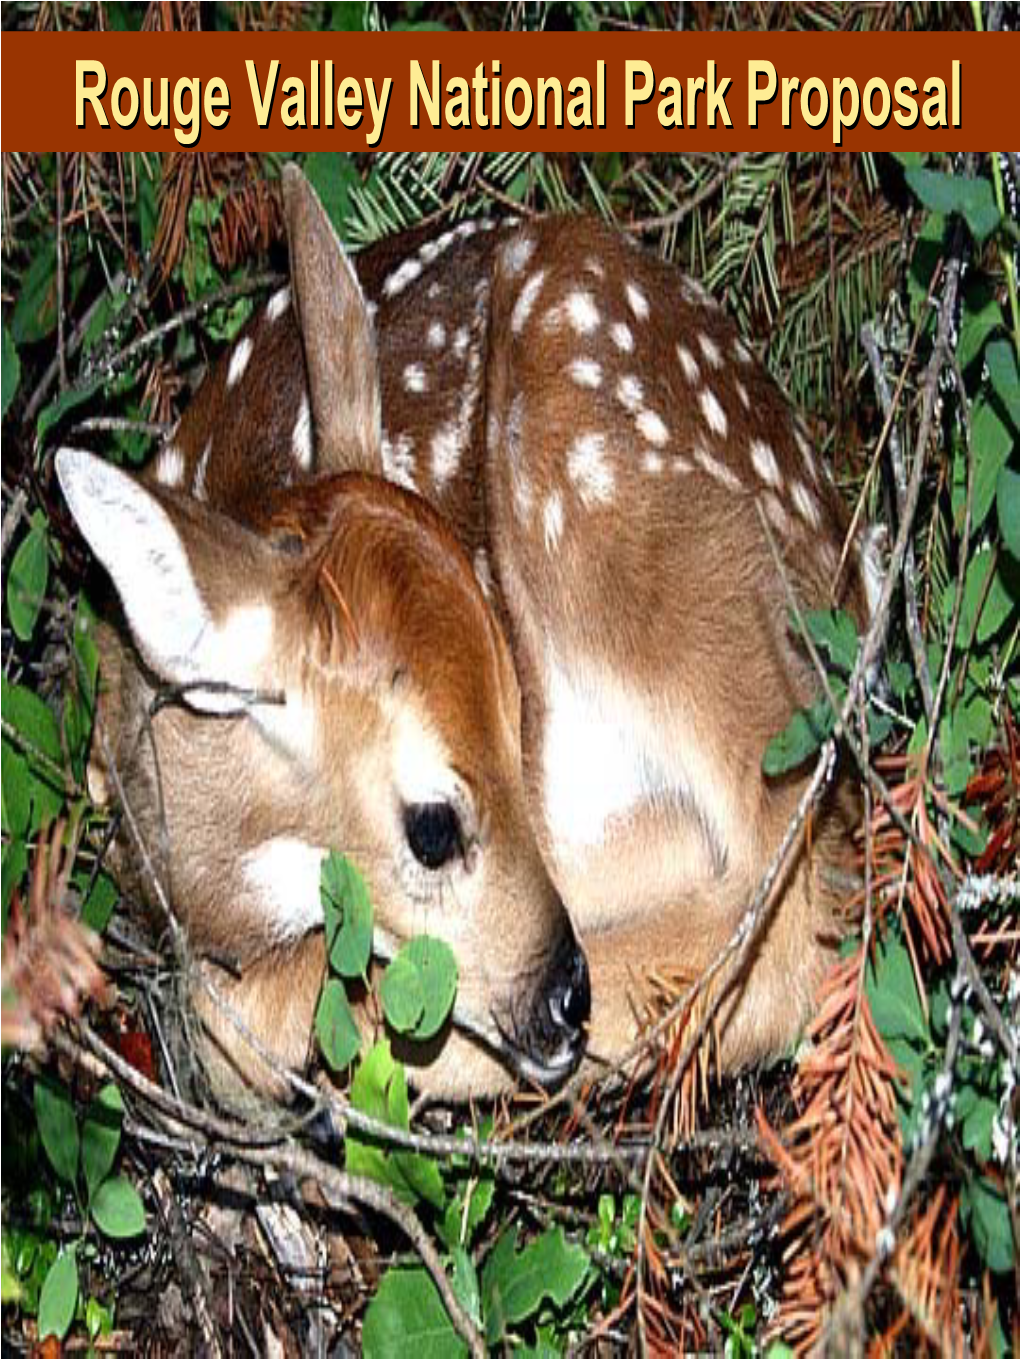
x=283, y=875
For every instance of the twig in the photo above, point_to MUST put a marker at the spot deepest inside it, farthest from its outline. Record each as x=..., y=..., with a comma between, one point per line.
x=120, y=424
x=12, y=518
x=672, y=219
x=869, y=343
x=61, y=354
x=188, y=1265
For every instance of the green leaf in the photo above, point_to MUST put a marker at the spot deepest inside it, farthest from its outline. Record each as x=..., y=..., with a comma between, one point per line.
x=335, y=1026
x=11, y=372
x=98, y=905
x=972, y=198
x=804, y=734
x=332, y=174
x=468, y=1210
x=379, y=1088
x=68, y=400
x=14, y=867
x=35, y=312
x=892, y=993
x=58, y=1127
x=981, y=315
x=514, y=1285
x=1005, y=379
x=437, y=973
x=994, y=599
x=348, y=914
x=117, y=1208
x=465, y=1284
x=32, y=786
x=403, y=998
x=100, y=1137
x=985, y=1207
x=407, y=1317
x=28, y=577
x=59, y=1296
x=977, y=1127
x=990, y=443
x=1007, y=500
x=835, y=634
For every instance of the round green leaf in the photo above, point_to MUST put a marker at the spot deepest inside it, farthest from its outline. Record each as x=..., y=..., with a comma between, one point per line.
x=348, y=916
x=58, y=1127
x=335, y=1027
x=59, y=1296
x=407, y=1316
x=403, y=998
x=437, y=970
x=117, y=1208
x=100, y=1136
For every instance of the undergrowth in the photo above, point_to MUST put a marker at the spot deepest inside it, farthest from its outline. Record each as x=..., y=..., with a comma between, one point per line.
x=865, y=1192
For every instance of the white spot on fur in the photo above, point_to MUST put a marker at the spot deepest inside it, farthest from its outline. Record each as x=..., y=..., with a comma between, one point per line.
x=630, y=393
x=775, y=514
x=415, y=379
x=740, y=351
x=652, y=427
x=552, y=521
x=201, y=469
x=461, y=340
x=619, y=333
x=301, y=439
x=435, y=336
x=447, y=447
x=170, y=466
x=693, y=291
x=283, y=875
x=594, y=266
x=688, y=363
x=483, y=572
x=764, y=462
x=278, y=304
x=239, y=361
x=805, y=504
x=520, y=483
x=526, y=301
x=402, y=277
x=710, y=350
x=578, y=311
x=516, y=253
x=588, y=469
x=681, y=465
x=431, y=250
x=586, y=373
x=398, y=460
x=652, y=462
x=745, y=400
x=806, y=451
x=715, y=416
x=716, y=469
x=637, y=301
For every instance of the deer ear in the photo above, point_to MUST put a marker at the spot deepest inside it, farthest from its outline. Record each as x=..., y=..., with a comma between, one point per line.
x=336, y=329
x=163, y=557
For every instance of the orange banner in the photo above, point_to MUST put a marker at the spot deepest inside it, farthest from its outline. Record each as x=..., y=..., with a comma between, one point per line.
x=504, y=91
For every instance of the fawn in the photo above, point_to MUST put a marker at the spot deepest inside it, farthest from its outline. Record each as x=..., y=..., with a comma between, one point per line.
x=465, y=574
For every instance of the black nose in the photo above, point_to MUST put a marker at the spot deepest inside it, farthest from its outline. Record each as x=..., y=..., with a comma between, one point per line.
x=568, y=993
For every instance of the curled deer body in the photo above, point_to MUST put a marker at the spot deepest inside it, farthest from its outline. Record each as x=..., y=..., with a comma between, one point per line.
x=470, y=581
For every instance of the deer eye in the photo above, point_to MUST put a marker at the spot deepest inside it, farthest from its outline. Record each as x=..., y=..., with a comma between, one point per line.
x=433, y=832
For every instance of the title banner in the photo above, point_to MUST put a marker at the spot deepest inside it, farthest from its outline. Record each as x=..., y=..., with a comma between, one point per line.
x=499, y=91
